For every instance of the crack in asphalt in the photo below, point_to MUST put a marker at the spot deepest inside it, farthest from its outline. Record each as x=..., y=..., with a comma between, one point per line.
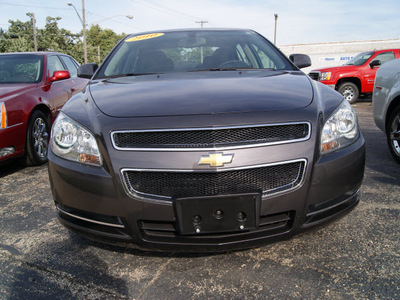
x=158, y=274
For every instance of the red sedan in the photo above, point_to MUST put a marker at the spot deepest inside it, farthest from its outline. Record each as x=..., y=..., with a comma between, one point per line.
x=33, y=88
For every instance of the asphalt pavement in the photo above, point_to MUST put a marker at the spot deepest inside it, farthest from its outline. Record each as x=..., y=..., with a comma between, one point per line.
x=354, y=257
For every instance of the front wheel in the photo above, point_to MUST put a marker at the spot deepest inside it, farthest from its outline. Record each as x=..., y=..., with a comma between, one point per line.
x=349, y=91
x=37, y=139
x=393, y=133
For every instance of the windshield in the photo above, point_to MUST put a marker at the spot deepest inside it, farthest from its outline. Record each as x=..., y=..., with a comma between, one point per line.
x=190, y=51
x=359, y=59
x=21, y=68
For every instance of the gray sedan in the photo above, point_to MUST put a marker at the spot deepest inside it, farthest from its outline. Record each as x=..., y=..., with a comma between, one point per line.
x=203, y=140
x=386, y=104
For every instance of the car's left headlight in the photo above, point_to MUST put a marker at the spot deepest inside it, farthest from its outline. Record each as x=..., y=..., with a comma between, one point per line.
x=340, y=130
x=325, y=76
x=72, y=141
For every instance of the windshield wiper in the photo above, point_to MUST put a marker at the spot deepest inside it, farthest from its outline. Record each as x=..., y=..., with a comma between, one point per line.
x=128, y=75
x=226, y=69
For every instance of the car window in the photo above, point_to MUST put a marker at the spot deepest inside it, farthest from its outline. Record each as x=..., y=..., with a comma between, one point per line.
x=54, y=64
x=21, y=68
x=189, y=51
x=385, y=57
x=71, y=66
x=359, y=59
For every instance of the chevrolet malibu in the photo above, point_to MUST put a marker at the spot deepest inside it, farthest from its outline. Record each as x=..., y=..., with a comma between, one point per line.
x=202, y=140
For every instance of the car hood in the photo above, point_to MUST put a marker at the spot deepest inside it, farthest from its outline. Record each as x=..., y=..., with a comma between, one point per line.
x=338, y=68
x=13, y=89
x=207, y=93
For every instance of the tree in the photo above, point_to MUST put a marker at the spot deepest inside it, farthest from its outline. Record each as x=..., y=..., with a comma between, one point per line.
x=19, y=38
x=103, y=39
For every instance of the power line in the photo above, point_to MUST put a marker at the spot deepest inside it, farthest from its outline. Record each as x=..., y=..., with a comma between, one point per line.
x=34, y=6
x=166, y=10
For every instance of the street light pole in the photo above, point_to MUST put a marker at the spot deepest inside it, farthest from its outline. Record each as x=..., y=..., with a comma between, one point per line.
x=83, y=22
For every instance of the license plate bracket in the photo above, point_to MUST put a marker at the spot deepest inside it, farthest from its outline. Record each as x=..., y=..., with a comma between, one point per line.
x=218, y=214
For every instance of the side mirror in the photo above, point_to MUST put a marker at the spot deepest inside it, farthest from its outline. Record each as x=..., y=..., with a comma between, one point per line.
x=87, y=70
x=375, y=63
x=300, y=60
x=59, y=75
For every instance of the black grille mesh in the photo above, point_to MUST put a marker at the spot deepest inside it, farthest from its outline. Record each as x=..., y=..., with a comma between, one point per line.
x=211, y=138
x=269, y=179
x=314, y=75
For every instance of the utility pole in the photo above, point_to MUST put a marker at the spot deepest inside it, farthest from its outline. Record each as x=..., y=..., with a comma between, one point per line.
x=34, y=32
x=276, y=21
x=201, y=23
x=84, y=32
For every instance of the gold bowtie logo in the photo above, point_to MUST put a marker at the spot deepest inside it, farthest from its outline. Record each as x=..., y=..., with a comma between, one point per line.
x=215, y=159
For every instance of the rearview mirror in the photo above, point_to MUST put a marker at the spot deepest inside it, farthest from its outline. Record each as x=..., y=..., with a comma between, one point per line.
x=300, y=60
x=375, y=63
x=59, y=75
x=87, y=70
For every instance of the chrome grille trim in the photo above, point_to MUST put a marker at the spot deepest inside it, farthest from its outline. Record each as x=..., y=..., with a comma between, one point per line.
x=90, y=220
x=151, y=197
x=217, y=148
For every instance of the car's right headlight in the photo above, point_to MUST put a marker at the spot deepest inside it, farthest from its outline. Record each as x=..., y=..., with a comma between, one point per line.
x=72, y=141
x=325, y=76
x=340, y=130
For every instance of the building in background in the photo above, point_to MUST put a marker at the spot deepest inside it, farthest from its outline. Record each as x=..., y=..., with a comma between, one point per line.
x=336, y=53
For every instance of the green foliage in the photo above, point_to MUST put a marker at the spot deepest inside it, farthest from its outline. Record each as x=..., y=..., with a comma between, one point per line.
x=19, y=38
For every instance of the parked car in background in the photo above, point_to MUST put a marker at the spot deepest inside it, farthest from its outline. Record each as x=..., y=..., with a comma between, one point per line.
x=33, y=89
x=386, y=104
x=357, y=76
x=202, y=140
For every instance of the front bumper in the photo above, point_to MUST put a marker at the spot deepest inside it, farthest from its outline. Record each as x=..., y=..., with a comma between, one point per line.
x=94, y=202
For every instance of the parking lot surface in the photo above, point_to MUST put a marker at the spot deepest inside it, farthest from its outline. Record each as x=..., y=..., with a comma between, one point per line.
x=355, y=257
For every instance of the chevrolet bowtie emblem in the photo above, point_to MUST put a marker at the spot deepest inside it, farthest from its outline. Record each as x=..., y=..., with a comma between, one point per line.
x=215, y=159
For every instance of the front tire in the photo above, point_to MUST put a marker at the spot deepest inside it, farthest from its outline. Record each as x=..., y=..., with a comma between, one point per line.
x=393, y=133
x=37, y=139
x=349, y=91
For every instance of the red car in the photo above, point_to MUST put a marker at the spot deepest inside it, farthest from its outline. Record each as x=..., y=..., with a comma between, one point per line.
x=357, y=76
x=33, y=88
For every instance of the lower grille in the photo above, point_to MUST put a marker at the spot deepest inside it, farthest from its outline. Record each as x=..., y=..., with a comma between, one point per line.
x=265, y=179
x=166, y=231
x=314, y=75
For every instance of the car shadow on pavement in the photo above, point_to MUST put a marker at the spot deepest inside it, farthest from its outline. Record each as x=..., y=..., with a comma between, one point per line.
x=62, y=270
x=8, y=168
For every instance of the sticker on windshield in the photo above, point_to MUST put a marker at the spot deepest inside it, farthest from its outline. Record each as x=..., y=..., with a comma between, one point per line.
x=144, y=37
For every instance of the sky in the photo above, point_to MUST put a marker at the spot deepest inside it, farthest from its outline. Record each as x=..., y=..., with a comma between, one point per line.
x=299, y=21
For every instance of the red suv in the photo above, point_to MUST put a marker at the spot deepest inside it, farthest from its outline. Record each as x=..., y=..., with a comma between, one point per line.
x=357, y=76
x=33, y=88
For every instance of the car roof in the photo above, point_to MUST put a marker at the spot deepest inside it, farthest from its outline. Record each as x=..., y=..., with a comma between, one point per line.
x=34, y=53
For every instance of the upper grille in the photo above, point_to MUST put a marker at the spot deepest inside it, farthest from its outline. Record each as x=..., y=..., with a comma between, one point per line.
x=266, y=179
x=210, y=138
x=314, y=75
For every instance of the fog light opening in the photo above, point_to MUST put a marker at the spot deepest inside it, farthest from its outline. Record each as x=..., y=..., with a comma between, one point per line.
x=6, y=151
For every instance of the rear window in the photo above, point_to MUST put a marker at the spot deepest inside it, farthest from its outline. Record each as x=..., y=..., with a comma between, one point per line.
x=21, y=68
